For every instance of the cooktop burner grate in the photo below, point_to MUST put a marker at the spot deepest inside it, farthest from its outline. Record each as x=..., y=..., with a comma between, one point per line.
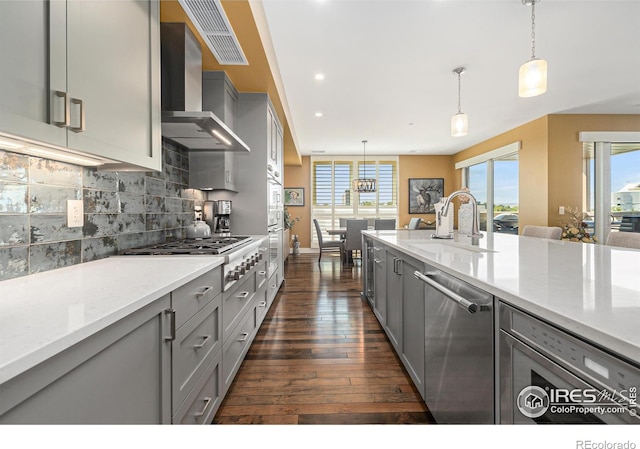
x=212, y=245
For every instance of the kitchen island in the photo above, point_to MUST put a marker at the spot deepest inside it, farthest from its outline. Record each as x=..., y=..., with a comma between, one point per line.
x=592, y=291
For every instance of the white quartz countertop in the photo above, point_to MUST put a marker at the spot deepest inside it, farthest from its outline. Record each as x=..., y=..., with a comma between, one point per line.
x=45, y=313
x=590, y=290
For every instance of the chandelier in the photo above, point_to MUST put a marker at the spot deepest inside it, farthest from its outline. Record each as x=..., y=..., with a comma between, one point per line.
x=364, y=184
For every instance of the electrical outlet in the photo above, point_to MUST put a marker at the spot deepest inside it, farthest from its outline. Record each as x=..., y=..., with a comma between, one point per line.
x=75, y=213
x=561, y=210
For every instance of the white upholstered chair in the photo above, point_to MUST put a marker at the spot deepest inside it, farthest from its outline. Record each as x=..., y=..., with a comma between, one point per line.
x=545, y=232
x=624, y=239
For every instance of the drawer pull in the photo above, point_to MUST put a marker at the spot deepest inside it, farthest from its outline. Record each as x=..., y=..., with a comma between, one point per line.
x=262, y=273
x=82, y=127
x=243, y=295
x=244, y=336
x=204, y=292
x=172, y=326
x=262, y=303
x=204, y=342
x=67, y=114
x=207, y=401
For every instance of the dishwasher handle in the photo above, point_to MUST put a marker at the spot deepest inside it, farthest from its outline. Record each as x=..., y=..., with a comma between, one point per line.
x=470, y=306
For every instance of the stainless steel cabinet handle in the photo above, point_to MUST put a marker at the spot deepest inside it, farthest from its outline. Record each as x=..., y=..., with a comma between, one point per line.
x=262, y=273
x=397, y=265
x=244, y=336
x=242, y=295
x=203, y=292
x=470, y=306
x=376, y=260
x=262, y=304
x=204, y=342
x=67, y=110
x=81, y=128
x=207, y=401
x=172, y=327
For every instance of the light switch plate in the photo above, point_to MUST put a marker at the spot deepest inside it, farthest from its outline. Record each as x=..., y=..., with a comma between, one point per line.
x=561, y=210
x=75, y=213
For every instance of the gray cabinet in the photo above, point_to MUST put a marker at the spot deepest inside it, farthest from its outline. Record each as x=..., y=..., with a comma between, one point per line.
x=413, y=322
x=196, y=377
x=399, y=306
x=90, y=84
x=379, y=282
x=393, y=323
x=216, y=170
x=121, y=375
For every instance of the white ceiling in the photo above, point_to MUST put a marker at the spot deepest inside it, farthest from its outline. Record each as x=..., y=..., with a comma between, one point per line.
x=388, y=68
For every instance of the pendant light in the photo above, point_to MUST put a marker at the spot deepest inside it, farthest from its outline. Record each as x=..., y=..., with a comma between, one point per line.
x=532, y=80
x=364, y=185
x=460, y=121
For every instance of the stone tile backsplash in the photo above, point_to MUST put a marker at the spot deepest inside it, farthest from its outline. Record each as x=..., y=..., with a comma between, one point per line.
x=121, y=210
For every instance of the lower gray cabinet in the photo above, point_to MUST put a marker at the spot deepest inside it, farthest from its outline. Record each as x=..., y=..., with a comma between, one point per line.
x=393, y=323
x=205, y=397
x=235, y=348
x=121, y=375
x=379, y=283
x=413, y=323
x=195, y=344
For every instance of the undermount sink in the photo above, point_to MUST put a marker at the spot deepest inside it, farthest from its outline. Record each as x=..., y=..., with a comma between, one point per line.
x=448, y=246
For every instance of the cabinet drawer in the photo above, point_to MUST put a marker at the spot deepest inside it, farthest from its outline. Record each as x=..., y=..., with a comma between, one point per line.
x=236, y=301
x=262, y=273
x=204, y=399
x=191, y=297
x=236, y=346
x=272, y=288
x=199, y=338
x=262, y=305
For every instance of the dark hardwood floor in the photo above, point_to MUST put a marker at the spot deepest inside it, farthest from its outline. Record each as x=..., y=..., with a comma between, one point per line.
x=321, y=357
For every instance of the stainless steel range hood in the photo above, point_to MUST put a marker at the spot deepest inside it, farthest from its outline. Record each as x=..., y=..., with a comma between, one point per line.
x=183, y=120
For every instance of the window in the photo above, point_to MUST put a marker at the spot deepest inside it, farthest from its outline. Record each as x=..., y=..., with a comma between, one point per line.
x=493, y=180
x=611, y=188
x=333, y=197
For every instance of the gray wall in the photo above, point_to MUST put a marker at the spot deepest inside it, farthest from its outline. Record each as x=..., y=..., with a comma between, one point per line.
x=121, y=210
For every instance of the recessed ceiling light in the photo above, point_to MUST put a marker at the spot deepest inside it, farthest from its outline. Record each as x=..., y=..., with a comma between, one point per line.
x=319, y=76
x=318, y=114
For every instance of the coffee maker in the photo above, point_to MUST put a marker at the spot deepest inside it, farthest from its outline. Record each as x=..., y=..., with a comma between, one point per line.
x=222, y=217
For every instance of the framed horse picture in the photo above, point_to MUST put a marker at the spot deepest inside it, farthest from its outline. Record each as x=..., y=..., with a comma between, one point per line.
x=424, y=193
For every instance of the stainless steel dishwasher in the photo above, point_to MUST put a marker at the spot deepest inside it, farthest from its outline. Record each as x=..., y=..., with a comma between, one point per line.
x=459, y=354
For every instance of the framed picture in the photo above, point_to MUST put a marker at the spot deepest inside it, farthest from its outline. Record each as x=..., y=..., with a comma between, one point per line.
x=424, y=193
x=294, y=196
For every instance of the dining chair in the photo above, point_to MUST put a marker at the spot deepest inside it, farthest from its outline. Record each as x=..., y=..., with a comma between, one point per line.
x=384, y=223
x=624, y=239
x=414, y=223
x=329, y=245
x=353, y=240
x=545, y=232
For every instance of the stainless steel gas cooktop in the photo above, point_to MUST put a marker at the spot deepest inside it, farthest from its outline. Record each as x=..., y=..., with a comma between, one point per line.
x=212, y=245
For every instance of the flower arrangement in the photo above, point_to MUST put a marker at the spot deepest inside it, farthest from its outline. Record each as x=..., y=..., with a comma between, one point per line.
x=289, y=222
x=575, y=229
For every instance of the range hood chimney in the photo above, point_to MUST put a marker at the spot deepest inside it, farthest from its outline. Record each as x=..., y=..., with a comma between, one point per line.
x=183, y=120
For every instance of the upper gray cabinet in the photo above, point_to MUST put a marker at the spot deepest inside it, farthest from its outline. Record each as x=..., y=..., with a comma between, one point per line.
x=83, y=75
